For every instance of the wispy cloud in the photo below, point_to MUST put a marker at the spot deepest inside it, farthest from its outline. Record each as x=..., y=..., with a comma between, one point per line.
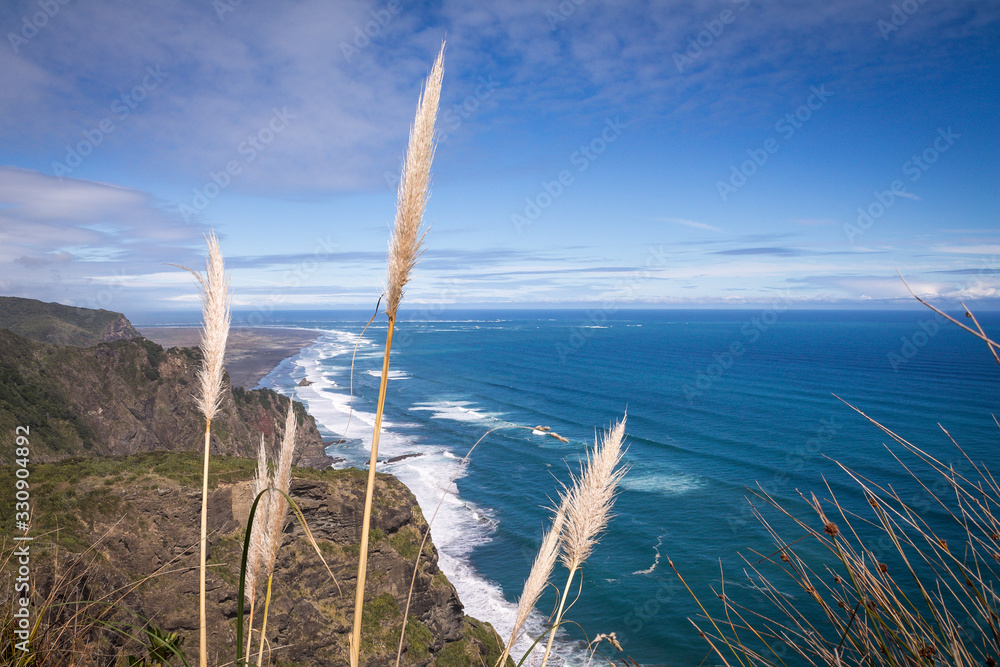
x=693, y=224
x=774, y=252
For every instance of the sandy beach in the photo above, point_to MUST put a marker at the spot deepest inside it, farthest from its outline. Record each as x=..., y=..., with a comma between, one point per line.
x=251, y=352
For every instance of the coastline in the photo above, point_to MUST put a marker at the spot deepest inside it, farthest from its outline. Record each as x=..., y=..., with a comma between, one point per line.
x=251, y=352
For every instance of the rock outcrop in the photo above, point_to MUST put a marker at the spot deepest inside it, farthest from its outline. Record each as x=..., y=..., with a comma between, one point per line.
x=131, y=396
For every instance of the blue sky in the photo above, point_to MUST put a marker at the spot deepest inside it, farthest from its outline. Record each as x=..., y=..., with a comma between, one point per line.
x=616, y=154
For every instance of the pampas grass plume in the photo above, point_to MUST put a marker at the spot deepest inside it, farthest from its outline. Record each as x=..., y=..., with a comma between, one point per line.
x=278, y=507
x=259, y=538
x=215, y=330
x=589, y=502
x=588, y=508
x=407, y=235
x=404, y=249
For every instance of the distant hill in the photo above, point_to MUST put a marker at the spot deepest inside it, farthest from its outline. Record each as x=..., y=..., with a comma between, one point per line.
x=63, y=325
x=127, y=397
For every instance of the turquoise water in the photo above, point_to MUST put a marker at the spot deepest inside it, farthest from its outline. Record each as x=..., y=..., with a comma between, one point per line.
x=718, y=403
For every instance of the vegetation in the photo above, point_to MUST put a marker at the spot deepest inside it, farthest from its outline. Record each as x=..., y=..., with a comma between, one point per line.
x=56, y=323
x=75, y=499
x=914, y=580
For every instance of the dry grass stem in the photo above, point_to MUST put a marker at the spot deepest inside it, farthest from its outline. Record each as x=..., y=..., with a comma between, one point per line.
x=404, y=249
x=407, y=234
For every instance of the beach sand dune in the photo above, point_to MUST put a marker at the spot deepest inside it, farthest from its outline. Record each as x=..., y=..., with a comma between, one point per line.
x=251, y=352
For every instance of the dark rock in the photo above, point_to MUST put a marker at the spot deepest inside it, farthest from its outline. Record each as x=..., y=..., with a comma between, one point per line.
x=402, y=457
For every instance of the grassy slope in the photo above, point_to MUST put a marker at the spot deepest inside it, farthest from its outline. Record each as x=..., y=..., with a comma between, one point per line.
x=53, y=322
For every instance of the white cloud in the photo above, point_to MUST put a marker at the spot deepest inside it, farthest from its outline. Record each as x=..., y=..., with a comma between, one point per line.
x=694, y=224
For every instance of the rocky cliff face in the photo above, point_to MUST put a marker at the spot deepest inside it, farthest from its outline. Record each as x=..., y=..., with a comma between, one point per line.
x=118, y=329
x=141, y=513
x=130, y=396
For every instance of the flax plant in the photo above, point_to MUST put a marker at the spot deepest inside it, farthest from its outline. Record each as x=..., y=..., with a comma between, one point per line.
x=216, y=318
x=404, y=250
x=588, y=508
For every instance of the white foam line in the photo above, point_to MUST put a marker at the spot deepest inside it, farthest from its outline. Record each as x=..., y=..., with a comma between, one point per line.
x=460, y=526
x=656, y=559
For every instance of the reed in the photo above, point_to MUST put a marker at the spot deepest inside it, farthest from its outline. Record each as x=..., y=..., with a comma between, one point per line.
x=404, y=250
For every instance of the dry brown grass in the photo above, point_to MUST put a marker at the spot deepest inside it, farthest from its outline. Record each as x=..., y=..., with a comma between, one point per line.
x=909, y=580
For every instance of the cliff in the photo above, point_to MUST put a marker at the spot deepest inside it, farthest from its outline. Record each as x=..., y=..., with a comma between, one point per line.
x=130, y=396
x=63, y=325
x=140, y=513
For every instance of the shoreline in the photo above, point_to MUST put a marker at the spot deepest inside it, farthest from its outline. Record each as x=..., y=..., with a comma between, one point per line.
x=251, y=352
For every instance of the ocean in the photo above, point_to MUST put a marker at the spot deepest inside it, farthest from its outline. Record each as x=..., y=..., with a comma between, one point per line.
x=719, y=404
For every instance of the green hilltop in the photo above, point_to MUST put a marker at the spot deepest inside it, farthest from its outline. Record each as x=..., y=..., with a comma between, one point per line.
x=63, y=325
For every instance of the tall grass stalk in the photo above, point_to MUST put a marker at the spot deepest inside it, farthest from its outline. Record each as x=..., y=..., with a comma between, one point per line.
x=404, y=250
x=216, y=318
x=588, y=508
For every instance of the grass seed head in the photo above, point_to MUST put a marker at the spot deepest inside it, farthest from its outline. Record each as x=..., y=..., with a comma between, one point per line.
x=589, y=501
x=407, y=235
x=216, y=318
